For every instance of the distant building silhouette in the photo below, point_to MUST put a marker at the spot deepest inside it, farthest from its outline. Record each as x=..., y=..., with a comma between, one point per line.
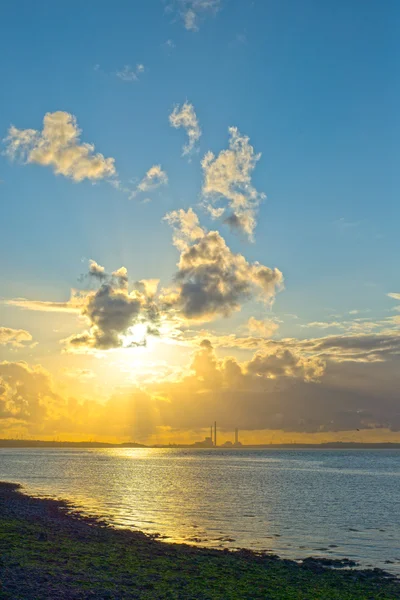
x=237, y=443
x=206, y=443
x=211, y=442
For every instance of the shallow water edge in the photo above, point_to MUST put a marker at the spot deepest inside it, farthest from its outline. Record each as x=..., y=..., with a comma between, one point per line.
x=69, y=555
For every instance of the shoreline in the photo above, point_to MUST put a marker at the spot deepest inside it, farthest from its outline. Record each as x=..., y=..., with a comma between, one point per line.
x=15, y=443
x=49, y=550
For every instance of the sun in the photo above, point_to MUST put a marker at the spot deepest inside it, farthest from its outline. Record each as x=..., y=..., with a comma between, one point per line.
x=136, y=336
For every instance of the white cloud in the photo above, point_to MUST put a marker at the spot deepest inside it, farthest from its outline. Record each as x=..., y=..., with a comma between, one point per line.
x=169, y=45
x=96, y=270
x=395, y=296
x=228, y=176
x=154, y=178
x=129, y=74
x=192, y=11
x=58, y=146
x=324, y=324
x=186, y=227
x=185, y=117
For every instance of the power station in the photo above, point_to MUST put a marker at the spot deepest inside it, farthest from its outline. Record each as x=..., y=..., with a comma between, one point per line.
x=211, y=442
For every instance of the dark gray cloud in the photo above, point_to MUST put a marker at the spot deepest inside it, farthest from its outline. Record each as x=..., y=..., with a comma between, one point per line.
x=96, y=270
x=112, y=310
x=368, y=347
x=283, y=389
x=211, y=280
x=278, y=388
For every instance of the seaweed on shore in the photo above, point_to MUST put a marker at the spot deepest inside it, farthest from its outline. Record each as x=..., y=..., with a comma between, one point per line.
x=49, y=551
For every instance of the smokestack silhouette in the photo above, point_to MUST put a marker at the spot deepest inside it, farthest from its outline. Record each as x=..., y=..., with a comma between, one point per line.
x=236, y=435
x=211, y=432
x=215, y=433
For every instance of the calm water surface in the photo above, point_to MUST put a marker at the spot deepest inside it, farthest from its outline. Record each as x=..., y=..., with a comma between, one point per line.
x=295, y=503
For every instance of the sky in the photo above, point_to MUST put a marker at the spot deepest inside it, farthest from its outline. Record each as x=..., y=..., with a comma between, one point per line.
x=199, y=220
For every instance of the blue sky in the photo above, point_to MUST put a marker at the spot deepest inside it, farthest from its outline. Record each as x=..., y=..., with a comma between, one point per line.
x=313, y=85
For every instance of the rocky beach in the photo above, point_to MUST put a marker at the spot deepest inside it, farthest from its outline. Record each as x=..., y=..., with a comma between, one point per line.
x=50, y=551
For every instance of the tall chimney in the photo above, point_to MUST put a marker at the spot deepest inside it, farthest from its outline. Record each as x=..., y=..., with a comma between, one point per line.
x=211, y=432
x=236, y=435
x=215, y=433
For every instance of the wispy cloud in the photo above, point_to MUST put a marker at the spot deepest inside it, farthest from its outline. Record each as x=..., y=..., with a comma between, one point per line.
x=58, y=146
x=153, y=179
x=78, y=373
x=185, y=116
x=265, y=328
x=395, y=296
x=73, y=305
x=193, y=11
x=130, y=74
x=16, y=338
x=360, y=325
x=241, y=38
x=169, y=45
x=323, y=324
x=343, y=224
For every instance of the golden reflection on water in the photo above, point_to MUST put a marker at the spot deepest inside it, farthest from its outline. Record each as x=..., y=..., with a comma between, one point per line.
x=293, y=503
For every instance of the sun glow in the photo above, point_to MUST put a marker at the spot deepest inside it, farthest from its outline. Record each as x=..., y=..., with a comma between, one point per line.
x=136, y=336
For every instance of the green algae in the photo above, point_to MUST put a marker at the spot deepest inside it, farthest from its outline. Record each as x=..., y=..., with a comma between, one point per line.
x=42, y=558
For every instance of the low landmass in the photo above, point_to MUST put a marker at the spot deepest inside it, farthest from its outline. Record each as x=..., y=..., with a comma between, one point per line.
x=49, y=551
x=17, y=443
x=57, y=444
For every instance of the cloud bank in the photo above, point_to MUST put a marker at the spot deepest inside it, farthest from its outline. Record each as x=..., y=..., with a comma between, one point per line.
x=279, y=388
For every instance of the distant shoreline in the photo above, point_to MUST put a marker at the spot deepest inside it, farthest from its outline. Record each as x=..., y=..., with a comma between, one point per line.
x=49, y=551
x=13, y=443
